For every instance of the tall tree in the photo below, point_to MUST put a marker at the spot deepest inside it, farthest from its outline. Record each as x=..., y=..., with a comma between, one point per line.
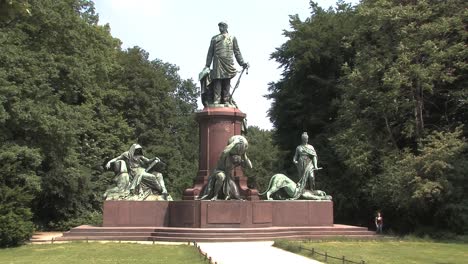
x=266, y=158
x=159, y=105
x=396, y=128
x=405, y=95
x=305, y=99
x=70, y=99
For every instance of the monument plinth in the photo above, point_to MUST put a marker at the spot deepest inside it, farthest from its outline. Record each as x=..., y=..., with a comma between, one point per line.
x=216, y=126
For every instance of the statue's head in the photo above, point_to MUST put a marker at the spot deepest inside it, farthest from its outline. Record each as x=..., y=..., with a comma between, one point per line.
x=237, y=145
x=305, y=137
x=136, y=150
x=139, y=152
x=223, y=26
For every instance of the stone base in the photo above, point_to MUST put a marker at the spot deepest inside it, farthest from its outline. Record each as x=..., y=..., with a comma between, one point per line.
x=186, y=234
x=216, y=126
x=218, y=214
x=136, y=213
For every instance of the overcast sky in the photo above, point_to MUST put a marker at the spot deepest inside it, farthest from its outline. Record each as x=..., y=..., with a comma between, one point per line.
x=179, y=32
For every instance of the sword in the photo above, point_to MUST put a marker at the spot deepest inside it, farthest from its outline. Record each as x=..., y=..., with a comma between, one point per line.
x=238, y=81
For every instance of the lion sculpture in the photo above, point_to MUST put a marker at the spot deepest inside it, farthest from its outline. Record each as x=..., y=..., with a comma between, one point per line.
x=291, y=190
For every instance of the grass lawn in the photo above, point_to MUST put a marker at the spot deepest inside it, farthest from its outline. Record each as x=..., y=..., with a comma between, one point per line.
x=384, y=251
x=80, y=252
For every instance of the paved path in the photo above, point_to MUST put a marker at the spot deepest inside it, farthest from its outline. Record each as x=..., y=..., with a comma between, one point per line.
x=251, y=252
x=44, y=237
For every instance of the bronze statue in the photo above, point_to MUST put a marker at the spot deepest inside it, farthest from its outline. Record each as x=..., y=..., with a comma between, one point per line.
x=305, y=159
x=281, y=187
x=133, y=177
x=221, y=182
x=216, y=84
x=122, y=181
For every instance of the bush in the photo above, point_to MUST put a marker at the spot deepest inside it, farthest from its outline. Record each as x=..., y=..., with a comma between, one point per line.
x=15, y=228
x=91, y=218
x=16, y=224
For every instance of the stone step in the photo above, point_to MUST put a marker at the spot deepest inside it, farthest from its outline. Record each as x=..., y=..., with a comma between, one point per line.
x=90, y=234
x=178, y=234
x=216, y=230
x=205, y=239
x=216, y=234
x=246, y=234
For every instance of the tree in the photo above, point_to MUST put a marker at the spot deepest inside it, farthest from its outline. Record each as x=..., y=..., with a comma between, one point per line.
x=312, y=60
x=266, y=158
x=306, y=97
x=73, y=99
x=18, y=185
x=159, y=106
x=401, y=96
x=396, y=128
x=426, y=188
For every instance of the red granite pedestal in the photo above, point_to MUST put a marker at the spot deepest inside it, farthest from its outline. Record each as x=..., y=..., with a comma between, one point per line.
x=232, y=220
x=218, y=214
x=216, y=126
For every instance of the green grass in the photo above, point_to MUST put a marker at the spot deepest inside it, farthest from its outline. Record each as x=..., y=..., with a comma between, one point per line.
x=384, y=251
x=91, y=253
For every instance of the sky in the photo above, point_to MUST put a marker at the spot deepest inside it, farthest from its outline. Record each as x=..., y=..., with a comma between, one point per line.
x=179, y=32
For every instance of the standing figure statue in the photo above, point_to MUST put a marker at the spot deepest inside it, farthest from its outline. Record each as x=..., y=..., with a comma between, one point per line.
x=139, y=184
x=305, y=159
x=280, y=187
x=216, y=84
x=221, y=182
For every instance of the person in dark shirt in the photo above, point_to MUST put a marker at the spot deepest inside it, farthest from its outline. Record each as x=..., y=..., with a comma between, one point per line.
x=379, y=223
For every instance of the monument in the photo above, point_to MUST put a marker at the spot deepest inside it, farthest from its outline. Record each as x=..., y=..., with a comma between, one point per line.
x=219, y=197
x=220, y=120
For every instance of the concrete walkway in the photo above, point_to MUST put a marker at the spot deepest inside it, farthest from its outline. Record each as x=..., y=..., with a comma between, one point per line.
x=251, y=252
x=44, y=237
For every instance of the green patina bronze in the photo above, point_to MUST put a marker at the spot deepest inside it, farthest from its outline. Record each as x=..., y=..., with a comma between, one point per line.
x=216, y=83
x=221, y=182
x=135, y=177
x=281, y=187
x=305, y=159
x=291, y=190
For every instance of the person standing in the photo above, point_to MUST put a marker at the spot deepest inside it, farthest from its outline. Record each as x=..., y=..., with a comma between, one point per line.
x=222, y=48
x=379, y=223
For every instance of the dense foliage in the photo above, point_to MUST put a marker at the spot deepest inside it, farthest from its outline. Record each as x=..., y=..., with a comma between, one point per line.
x=265, y=156
x=71, y=99
x=382, y=90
